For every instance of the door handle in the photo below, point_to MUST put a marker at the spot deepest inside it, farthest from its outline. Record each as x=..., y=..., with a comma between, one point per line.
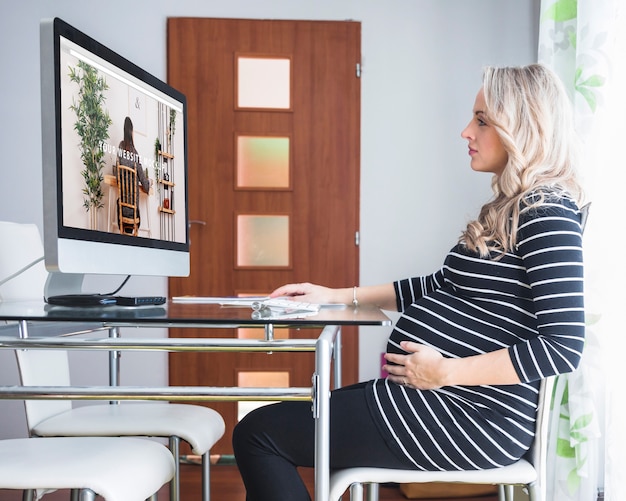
x=194, y=221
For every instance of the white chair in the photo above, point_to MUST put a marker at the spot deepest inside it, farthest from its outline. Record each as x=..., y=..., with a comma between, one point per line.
x=118, y=469
x=200, y=426
x=529, y=471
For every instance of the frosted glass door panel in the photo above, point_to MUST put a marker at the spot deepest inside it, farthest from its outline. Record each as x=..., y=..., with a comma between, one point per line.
x=259, y=379
x=263, y=241
x=263, y=162
x=263, y=82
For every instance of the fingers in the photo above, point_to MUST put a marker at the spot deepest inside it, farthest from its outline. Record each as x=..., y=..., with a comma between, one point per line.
x=394, y=358
x=400, y=358
x=292, y=290
x=305, y=292
x=396, y=373
x=410, y=346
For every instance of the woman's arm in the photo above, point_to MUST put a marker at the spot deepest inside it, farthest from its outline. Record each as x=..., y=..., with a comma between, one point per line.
x=383, y=296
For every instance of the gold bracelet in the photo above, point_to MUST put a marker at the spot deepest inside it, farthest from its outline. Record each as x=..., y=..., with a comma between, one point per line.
x=355, y=301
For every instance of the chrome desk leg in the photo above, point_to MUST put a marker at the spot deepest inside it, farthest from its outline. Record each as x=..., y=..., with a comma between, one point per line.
x=114, y=363
x=269, y=332
x=337, y=368
x=23, y=329
x=321, y=411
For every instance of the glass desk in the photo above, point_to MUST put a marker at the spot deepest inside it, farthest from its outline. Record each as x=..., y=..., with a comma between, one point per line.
x=37, y=325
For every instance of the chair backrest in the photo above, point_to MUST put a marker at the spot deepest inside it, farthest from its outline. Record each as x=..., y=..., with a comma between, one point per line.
x=128, y=201
x=584, y=215
x=538, y=453
x=43, y=368
x=21, y=247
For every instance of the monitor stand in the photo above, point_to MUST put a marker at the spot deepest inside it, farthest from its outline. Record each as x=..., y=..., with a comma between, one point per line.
x=65, y=289
x=63, y=283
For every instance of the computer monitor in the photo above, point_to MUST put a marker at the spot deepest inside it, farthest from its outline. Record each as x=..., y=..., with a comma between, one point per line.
x=100, y=111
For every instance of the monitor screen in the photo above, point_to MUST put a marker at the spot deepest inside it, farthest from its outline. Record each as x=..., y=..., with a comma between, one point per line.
x=114, y=163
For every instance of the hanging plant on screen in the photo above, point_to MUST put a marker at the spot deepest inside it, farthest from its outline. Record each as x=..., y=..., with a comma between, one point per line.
x=172, y=129
x=92, y=125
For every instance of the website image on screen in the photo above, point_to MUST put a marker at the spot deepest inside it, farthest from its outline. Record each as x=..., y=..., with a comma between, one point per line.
x=117, y=130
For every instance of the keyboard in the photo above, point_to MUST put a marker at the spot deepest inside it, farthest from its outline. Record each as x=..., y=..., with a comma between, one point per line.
x=104, y=300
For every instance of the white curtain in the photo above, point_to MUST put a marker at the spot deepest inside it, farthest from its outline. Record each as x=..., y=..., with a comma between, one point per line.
x=584, y=42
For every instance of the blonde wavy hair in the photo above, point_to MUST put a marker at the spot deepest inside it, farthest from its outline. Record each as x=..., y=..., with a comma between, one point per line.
x=531, y=112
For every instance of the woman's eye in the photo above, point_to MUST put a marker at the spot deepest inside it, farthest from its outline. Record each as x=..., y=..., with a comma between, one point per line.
x=481, y=122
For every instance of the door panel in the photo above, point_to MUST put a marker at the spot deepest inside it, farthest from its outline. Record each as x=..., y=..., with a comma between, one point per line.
x=322, y=202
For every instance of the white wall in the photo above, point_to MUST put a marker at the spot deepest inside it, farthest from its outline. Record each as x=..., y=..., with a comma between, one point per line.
x=422, y=63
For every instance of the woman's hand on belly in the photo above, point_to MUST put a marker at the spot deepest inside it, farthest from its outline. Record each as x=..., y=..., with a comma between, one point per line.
x=425, y=368
x=422, y=368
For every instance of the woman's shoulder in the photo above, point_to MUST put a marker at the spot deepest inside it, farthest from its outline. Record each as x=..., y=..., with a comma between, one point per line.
x=548, y=199
x=550, y=204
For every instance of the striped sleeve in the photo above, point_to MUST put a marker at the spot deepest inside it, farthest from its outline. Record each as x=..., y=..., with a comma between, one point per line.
x=550, y=246
x=411, y=289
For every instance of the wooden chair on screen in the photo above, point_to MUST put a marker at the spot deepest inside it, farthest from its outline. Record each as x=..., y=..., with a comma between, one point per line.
x=128, y=200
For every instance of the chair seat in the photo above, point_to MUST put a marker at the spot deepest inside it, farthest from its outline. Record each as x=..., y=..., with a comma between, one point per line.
x=199, y=426
x=521, y=472
x=118, y=469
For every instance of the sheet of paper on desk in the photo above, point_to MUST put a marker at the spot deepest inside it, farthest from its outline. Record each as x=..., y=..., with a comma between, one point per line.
x=223, y=301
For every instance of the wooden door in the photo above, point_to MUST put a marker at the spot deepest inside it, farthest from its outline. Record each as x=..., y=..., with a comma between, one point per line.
x=318, y=204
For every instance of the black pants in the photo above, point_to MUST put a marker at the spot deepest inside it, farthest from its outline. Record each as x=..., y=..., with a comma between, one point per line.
x=272, y=441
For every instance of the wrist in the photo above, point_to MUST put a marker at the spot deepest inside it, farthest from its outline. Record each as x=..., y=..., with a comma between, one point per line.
x=346, y=296
x=340, y=296
x=447, y=370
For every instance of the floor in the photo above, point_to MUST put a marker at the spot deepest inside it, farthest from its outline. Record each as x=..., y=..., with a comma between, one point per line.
x=226, y=486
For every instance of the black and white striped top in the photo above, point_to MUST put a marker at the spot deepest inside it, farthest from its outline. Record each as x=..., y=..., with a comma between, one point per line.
x=530, y=301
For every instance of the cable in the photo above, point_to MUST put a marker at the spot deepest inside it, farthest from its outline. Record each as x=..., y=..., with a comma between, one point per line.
x=21, y=270
x=119, y=288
